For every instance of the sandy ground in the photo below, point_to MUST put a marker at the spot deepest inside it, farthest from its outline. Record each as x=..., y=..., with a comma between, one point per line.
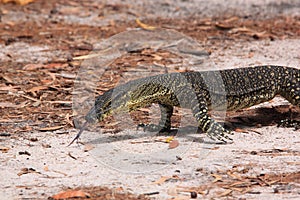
x=40, y=164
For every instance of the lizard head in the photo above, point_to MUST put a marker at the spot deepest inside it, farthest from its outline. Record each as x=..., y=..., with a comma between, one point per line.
x=101, y=108
x=106, y=104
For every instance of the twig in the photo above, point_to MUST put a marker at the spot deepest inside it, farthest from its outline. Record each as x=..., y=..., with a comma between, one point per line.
x=69, y=154
x=150, y=193
x=255, y=131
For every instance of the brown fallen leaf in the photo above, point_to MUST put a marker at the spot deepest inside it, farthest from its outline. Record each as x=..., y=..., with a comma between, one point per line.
x=20, y=2
x=53, y=128
x=250, y=55
x=37, y=88
x=7, y=79
x=27, y=171
x=239, y=130
x=11, y=105
x=55, y=65
x=223, y=26
x=215, y=148
x=31, y=98
x=31, y=67
x=9, y=88
x=239, y=184
x=71, y=194
x=241, y=30
x=225, y=193
x=173, y=144
x=234, y=176
x=217, y=178
x=144, y=109
x=4, y=149
x=231, y=19
x=88, y=147
x=60, y=102
x=162, y=180
x=46, y=168
x=144, y=26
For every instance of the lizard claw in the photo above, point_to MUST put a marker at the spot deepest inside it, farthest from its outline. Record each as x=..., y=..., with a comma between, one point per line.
x=220, y=134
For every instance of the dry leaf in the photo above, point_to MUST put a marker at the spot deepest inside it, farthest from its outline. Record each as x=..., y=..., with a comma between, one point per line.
x=27, y=171
x=238, y=184
x=162, y=180
x=53, y=128
x=60, y=102
x=70, y=10
x=46, y=81
x=37, y=88
x=7, y=79
x=241, y=30
x=157, y=57
x=68, y=119
x=250, y=55
x=234, y=176
x=217, y=178
x=68, y=75
x=86, y=56
x=56, y=65
x=215, y=148
x=223, y=26
x=88, y=147
x=144, y=26
x=4, y=149
x=31, y=67
x=8, y=88
x=71, y=194
x=144, y=109
x=262, y=34
x=239, y=130
x=226, y=193
x=31, y=98
x=231, y=19
x=20, y=2
x=173, y=144
x=53, y=76
x=11, y=105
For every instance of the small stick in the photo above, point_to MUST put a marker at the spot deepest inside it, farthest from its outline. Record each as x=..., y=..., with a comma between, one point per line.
x=79, y=133
x=150, y=193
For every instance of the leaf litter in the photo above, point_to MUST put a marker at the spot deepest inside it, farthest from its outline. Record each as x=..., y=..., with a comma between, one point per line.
x=41, y=93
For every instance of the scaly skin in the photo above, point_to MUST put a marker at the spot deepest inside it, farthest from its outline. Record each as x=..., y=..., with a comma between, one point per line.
x=230, y=89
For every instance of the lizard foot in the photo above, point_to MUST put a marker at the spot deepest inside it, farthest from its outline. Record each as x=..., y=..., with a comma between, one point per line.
x=220, y=134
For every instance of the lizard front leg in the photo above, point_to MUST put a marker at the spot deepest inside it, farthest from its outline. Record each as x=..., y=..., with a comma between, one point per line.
x=164, y=124
x=208, y=125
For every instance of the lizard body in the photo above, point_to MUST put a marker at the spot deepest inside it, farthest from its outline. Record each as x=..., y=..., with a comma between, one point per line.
x=230, y=89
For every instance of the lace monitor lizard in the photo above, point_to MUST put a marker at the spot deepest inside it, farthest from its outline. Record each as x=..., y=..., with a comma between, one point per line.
x=200, y=91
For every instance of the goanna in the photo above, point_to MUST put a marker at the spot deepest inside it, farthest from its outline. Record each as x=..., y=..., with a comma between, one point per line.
x=230, y=89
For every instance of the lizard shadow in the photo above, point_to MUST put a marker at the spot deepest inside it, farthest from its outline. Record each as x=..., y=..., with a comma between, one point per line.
x=262, y=116
x=243, y=119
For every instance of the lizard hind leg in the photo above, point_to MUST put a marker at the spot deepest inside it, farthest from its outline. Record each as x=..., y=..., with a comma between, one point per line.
x=292, y=88
x=292, y=94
